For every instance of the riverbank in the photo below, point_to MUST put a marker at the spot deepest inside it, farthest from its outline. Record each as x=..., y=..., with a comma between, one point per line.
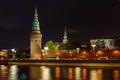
x=84, y=63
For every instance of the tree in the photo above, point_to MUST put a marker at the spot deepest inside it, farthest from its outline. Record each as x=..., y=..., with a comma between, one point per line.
x=20, y=53
x=52, y=46
x=64, y=46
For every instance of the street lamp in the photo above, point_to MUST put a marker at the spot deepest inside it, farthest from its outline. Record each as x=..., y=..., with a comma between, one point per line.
x=94, y=55
x=45, y=48
x=78, y=51
x=13, y=52
x=70, y=53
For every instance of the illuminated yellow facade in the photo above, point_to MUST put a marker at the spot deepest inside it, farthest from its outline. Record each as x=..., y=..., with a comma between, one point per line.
x=35, y=38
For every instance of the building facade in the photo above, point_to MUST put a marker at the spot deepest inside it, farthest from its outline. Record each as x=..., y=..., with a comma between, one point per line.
x=35, y=38
x=103, y=44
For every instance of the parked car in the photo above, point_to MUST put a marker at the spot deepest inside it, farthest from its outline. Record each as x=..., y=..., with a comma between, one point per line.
x=102, y=58
x=52, y=58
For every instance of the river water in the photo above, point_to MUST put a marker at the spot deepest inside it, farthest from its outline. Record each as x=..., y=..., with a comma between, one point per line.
x=15, y=72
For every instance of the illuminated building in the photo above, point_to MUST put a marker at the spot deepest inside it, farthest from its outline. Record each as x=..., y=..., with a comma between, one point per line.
x=35, y=38
x=103, y=44
x=3, y=53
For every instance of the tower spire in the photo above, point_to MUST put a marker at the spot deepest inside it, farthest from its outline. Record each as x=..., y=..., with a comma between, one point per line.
x=65, y=40
x=35, y=21
x=65, y=32
x=35, y=38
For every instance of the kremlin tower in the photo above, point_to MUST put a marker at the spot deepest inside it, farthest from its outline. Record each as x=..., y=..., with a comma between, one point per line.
x=35, y=38
x=65, y=40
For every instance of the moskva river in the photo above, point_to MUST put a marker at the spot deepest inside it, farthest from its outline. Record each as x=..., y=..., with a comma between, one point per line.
x=15, y=72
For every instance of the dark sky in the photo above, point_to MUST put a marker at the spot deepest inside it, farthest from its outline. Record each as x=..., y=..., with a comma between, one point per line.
x=85, y=19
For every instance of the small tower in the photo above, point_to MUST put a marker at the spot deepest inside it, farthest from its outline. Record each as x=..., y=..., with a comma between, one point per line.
x=35, y=38
x=65, y=40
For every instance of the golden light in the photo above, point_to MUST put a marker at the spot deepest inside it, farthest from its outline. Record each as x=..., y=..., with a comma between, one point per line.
x=46, y=53
x=84, y=53
x=100, y=53
x=78, y=73
x=93, y=45
x=37, y=55
x=45, y=48
x=100, y=74
x=93, y=51
x=45, y=73
x=70, y=73
x=57, y=71
x=116, y=53
x=93, y=75
x=70, y=53
x=116, y=74
x=58, y=53
x=13, y=72
x=84, y=74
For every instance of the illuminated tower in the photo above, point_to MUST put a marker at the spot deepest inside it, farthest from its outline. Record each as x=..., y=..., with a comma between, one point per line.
x=65, y=40
x=35, y=38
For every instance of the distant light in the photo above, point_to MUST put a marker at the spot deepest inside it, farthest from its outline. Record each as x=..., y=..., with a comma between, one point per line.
x=93, y=45
x=13, y=50
x=46, y=48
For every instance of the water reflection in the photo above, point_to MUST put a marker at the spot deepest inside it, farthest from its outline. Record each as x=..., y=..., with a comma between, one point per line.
x=57, y=73
x=70, y=73
x=13, y=75
x=45, y=73
x=14, y=72
x=96, y=74
x=100, y=74
x=40, y=73
x=34, y=72
x=3, y=72
x=93, y=75
x=78, y=73
x=116, y=75
x=84, y=74
x=64, y=73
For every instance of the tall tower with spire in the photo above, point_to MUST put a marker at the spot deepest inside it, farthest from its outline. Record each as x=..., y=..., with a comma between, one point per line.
x=35, y=38
x=65, y=39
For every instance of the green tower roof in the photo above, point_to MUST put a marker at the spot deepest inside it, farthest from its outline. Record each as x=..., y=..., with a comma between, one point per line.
x=65, y=33
x=35, y=21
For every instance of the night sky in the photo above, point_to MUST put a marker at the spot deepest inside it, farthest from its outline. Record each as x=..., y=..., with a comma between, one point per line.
x=84, y=19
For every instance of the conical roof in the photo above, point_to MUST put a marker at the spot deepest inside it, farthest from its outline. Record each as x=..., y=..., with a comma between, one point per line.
x=35, y=21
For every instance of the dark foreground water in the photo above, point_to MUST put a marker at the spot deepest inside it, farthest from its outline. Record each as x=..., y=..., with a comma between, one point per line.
x=15, y=72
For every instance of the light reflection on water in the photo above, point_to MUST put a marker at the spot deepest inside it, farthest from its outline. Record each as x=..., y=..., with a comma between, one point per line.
x=93, y=75
x=57, y=73
x=116, y=75
x=84, y=74
x=3, y=72
x=78, y=73
x=15, y=72
x=70, y=73
x=100, y=74
x=13, y=75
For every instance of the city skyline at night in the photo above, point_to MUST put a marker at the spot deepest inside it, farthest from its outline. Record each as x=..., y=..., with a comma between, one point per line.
x=84, y=20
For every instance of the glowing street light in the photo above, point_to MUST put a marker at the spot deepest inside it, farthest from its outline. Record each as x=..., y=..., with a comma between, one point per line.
x=14, y=52
x=94, y=55
x=100, y=53
x=116, y=53
x=70, y=53
x=46, y=48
